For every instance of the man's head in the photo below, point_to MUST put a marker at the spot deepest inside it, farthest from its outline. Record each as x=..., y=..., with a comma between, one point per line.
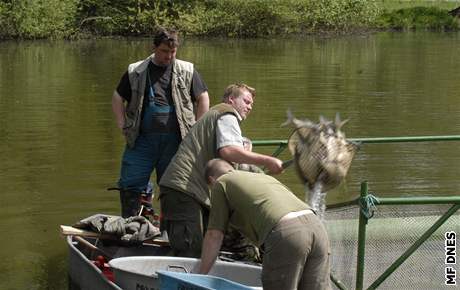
x=215, y=168
x=241, y=97
x=165, y=44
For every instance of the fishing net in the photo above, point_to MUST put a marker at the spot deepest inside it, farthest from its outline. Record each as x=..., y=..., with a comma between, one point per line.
x=390, y=232
x=321, y=156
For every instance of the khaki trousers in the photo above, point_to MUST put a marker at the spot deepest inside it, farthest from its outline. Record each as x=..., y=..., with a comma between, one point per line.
x=297, y=255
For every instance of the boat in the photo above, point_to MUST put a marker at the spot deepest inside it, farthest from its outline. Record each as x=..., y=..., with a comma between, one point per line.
x=107, y=266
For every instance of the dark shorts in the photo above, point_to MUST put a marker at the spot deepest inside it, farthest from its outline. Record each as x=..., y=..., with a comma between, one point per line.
x=185, y=221
x=297, y=255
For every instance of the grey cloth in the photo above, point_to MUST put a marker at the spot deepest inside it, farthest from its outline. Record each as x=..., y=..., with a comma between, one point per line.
x=132, y=230
x=248, y=167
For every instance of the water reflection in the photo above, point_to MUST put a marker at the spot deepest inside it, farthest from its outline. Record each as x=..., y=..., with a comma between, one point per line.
x=60, y=147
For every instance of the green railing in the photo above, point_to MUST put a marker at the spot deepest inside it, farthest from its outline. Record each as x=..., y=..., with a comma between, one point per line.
x=363, y=201
x=282, y=144
x=364, y=216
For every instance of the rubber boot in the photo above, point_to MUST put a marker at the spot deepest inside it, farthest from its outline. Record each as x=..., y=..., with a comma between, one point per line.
x=130, y=203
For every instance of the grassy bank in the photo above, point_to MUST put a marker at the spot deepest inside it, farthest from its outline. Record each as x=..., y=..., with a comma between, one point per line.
x=417, y=15
x=391, y=5
x=228, y=18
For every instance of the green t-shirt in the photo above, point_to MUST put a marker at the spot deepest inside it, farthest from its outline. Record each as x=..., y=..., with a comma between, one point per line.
x=252, y=202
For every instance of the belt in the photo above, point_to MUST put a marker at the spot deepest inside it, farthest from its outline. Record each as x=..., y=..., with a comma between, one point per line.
x=294, y=214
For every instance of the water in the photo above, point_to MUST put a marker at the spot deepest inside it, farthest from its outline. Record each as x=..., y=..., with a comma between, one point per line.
x=60, y=148
x=317, y=199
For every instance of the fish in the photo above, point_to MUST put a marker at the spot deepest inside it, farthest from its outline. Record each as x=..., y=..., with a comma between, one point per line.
x=320, y=150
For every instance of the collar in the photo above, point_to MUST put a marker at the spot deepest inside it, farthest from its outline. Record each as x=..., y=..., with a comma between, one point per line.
x=238, y=116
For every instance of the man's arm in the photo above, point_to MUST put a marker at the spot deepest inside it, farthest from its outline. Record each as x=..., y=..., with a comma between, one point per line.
x=237, y=154
x=202, y=104
x=210, y=250
x=118, y=108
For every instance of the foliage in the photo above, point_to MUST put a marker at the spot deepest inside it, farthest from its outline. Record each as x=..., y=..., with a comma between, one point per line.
x=36, y=18
x=229, y=18
x=343, y=14
x=418, y=18
x=125, y=17
x=255, y=18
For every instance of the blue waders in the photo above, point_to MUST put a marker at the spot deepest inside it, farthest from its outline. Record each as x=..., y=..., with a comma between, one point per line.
x=151, y=151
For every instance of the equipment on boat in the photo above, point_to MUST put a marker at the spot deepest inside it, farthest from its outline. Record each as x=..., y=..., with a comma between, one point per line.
x=142, y=202
x=133, y=273
x=136, y=267
x=132, y=230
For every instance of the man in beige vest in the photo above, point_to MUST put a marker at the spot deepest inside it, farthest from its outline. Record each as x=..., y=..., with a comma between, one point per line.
x=155, y=104
x=184, y=194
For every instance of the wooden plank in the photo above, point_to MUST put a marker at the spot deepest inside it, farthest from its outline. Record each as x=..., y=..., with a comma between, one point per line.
x=68, y=230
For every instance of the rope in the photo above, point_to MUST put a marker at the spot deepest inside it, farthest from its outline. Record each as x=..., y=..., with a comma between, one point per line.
x=367, y=205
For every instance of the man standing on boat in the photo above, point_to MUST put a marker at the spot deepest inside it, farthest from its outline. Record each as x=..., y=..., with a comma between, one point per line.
x=296, y=246
x=155, y=104
x=184, y=194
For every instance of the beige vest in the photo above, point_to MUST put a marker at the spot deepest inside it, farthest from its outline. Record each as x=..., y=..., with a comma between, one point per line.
x=186, y=170
x=181, y=82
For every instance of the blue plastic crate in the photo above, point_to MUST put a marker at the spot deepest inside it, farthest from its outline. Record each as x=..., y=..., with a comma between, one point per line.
x=185, y=281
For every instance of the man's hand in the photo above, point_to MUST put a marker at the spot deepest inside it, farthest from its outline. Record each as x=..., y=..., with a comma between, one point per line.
x=274, y=165
x=210, y=250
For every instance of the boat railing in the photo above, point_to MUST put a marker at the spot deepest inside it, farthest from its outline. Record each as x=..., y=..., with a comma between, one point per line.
x=368, y=202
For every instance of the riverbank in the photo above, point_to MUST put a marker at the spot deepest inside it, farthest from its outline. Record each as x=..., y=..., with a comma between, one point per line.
x=224, y=18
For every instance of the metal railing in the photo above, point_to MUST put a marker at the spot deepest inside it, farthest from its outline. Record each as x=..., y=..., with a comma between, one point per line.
x=282, y=144
x=363, y=219
x=362, y=202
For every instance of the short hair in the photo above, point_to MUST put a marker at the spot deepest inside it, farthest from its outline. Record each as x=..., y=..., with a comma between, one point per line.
x=216, y=167
x=236, y=90
x=168, y=36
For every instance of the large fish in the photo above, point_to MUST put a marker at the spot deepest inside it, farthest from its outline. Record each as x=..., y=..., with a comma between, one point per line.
x=320, y=150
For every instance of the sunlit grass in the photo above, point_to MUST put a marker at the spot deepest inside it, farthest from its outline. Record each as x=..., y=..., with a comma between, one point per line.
x=390, y=5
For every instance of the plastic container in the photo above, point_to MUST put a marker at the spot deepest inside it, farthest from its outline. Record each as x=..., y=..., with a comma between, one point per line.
x=176, y=281
x=134, y=273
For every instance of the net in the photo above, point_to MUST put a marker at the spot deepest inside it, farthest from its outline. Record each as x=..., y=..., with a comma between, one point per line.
x=321, y=154
x=390, y=232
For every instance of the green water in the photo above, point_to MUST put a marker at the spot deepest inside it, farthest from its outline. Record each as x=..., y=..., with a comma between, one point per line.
x=60, y=148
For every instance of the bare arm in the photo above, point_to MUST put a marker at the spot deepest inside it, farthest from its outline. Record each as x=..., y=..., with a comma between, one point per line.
x=211, y=247
x=118, y=109
x=239, y=155
x=202, y=104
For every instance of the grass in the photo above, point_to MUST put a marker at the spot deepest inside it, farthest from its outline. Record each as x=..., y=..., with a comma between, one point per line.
x=391, y=5
x=418, y=14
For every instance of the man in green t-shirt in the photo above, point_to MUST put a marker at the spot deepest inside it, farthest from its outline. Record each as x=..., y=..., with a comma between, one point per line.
x=295, y=241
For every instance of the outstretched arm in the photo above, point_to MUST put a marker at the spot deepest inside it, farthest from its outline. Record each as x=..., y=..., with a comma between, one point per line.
x=210, y=250
x=239, y=155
